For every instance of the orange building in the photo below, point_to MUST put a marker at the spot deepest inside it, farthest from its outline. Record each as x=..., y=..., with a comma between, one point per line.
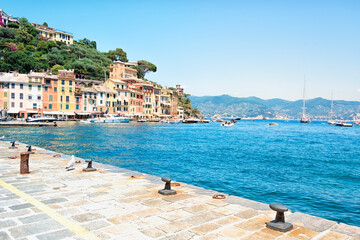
x=136, y=101
x=121, y=70
x=50, y=94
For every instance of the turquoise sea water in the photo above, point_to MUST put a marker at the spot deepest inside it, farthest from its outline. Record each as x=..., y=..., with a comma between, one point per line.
x=312, y=168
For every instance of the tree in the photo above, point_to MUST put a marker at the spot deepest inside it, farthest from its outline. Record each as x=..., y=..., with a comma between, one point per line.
x=146, y=67
x=118, y=55
x=87, y=43
x=55, y=69
x=19, y=61
x=13, y=25
x=45, y=24
x=140, y=71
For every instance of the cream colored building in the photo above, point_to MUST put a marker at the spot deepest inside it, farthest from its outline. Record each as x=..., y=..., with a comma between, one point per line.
x=52, y=34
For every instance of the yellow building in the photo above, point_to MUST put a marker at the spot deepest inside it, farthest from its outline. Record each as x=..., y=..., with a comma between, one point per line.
x=66, y=91
x=49, y=33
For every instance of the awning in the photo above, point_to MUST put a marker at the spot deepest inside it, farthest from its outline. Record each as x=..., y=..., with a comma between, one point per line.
x=13, y=111
x=82, y=113
x=69, y=113
x=52, y=112
x=31, y=111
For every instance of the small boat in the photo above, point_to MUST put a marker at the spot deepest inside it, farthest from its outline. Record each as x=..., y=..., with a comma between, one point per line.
x=304, y=119
x=190, y=120
x=227, y=124
x=109, y=119
x=204, y=121
x=142, y=120
x=331, y=122
x=273, y=124
x=6, y=119
x=344, y=124
x=173, y=121
x=84, y=122
x=38, y=118
x=154, y=120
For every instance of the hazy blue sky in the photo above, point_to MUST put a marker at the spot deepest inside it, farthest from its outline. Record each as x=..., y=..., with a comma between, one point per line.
x=241, y=48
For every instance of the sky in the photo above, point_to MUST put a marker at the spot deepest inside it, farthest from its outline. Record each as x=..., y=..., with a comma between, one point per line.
x=241, y=48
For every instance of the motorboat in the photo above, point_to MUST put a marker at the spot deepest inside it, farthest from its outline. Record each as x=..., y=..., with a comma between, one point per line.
x=204, y=121
x=108, y=118
x=173, y=121
x=154, y=120
x=273, y=124
x=344, y=124
x=331, y=122
x=190, y=120
x=38, y=118
x=142, y=120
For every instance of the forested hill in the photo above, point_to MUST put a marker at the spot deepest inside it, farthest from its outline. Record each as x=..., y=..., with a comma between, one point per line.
x=317, y=108
x=22, y=50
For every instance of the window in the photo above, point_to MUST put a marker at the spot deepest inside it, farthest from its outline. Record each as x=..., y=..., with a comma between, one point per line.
x=12, y=95
x=34, y=105
x=21, y=96
x=39, y=87
x=62, y=82
x=51, y=98
x=55, y=89
x=47, y=81
x=101, y=94
x=77, y=107
x=12, y=104
x=60, y=106
x=46, y=88
x=70, y=83
x=67, y=98
x=70, y=89
x=21, y=86
x=29, y=97
x=61, y=98
x=50, y=106
x=21, y=105
x=77, y=99
x=13, y=85
x=5, y=104
x=67, y=106
x=39, y=98
x=30, y=87
x=5, y=94
x=63, y=89
x=101, y=101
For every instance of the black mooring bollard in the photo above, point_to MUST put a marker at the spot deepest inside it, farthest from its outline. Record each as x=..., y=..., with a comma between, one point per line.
x=167, y=189
x=29, y=151
x=89, y=167
x=279, y=223
x=12, y=145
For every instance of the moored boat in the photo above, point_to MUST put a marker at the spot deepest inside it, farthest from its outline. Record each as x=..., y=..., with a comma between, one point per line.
x=227, y=124
x=344, y=124
x=37, y=118
x=190, y=120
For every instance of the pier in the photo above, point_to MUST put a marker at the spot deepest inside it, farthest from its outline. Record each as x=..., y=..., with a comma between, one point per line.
x=116, y=203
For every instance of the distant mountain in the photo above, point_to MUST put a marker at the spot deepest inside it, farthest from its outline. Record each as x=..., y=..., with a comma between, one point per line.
x=317, y=108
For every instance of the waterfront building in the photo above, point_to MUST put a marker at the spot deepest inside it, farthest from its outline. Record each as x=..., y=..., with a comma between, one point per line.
x=50, y=95
x=13, y=93
x=180, y=113
x=100, y=98
x=48, y=33
x=66, y=92
x=86, y=100
x=179, y=90
x=135, y=101
x=156, y=103
x=34, y=90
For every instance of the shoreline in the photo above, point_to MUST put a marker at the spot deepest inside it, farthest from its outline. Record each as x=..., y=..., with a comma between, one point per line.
x=186, y=191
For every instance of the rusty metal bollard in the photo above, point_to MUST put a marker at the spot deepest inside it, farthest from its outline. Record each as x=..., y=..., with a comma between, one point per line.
x=24, y=163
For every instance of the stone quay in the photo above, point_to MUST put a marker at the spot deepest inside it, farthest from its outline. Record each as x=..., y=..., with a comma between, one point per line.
x=116, y=203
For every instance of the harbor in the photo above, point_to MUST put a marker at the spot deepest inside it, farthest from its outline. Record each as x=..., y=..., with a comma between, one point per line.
x=116, y=203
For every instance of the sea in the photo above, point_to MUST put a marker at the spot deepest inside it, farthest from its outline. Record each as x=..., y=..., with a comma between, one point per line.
x=311, y=168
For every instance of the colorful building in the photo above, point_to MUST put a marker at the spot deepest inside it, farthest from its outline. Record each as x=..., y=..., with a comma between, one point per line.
x=48, y=33
x=66, y=93
x=50, y=95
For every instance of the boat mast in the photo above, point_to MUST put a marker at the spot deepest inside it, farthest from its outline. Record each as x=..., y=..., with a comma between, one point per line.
x=303, y=107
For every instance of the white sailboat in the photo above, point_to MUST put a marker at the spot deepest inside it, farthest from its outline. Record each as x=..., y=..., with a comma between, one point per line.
x=331, y=121
x=304, y=119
